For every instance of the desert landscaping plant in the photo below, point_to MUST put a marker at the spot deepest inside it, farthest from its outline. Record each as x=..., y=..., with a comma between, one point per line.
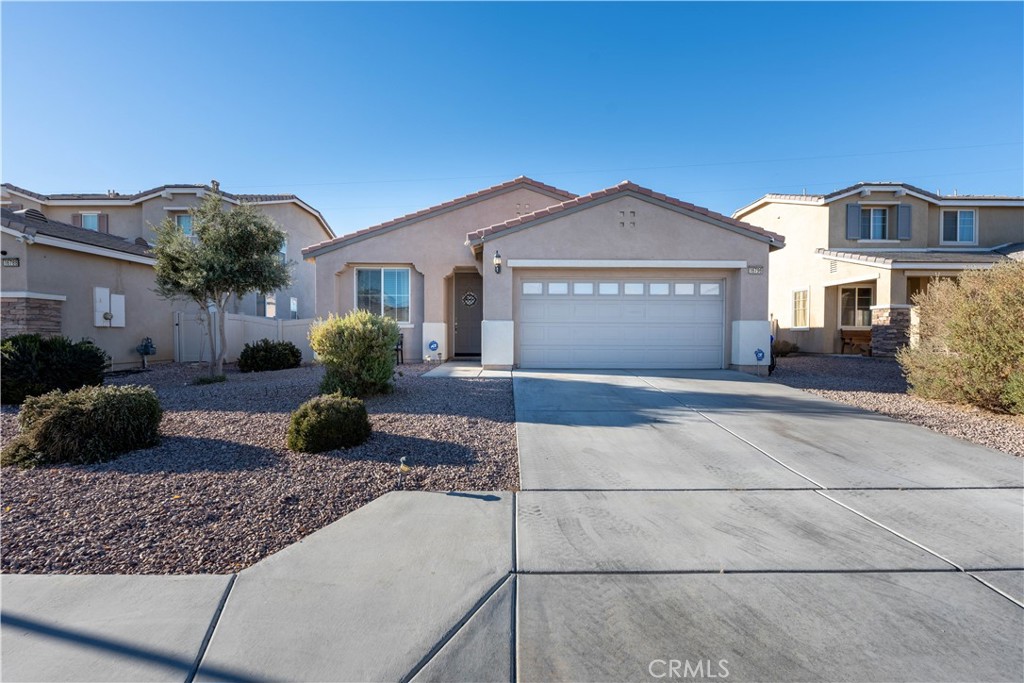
x=32, y=365
x=357, y=351
x=233, y=253
x=267, y=355
x=87, y=425
x=782, y=348
x=328, y=422
x=971, y=340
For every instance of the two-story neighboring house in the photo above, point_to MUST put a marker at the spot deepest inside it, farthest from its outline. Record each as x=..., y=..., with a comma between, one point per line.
x=81, y=265
x=134, y=217
x=855, y=258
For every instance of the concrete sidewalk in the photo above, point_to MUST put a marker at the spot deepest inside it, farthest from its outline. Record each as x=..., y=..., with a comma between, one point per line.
x=669, y=524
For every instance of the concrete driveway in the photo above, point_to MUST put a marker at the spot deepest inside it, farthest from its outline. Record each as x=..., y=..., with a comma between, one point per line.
x=670, y=526
x=689, y=524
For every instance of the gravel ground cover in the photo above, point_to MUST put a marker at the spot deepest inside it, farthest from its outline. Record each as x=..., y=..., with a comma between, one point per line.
x=221, y=491
x=878, y=384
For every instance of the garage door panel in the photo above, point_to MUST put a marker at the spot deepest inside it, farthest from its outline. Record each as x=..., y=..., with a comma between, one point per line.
x=668, y=325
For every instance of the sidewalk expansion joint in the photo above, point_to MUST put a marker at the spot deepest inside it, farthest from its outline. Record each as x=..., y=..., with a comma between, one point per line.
x=209, y=631
x=988, y=585
x=459, y=625
x=891, y=530
x=726, y=572
x=726, y=429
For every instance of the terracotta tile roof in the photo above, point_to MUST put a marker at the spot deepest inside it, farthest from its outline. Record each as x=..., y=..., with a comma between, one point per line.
x=18, y=220
x=87, y=196
x=937, y=256
x=624, y=186
x=430, y=211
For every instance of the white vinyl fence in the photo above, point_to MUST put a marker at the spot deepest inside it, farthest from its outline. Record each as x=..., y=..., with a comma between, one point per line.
x=192, y=330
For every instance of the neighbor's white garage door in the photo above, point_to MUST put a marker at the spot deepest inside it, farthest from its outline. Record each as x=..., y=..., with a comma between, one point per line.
x=609, y=322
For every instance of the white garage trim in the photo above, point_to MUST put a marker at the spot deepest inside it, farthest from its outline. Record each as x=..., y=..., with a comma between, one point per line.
x=621, y=263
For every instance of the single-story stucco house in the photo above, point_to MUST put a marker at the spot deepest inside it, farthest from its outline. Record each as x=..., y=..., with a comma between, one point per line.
x=524, y=274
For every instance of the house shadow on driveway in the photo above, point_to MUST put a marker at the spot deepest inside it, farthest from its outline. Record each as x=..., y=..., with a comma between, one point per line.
x=624, y=401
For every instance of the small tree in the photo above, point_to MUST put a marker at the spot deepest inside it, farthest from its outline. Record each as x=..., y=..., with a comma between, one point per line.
x=230, y=252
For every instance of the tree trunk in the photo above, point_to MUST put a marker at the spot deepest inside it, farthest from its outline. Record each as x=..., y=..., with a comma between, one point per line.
x=222, y=332
x=205, y=307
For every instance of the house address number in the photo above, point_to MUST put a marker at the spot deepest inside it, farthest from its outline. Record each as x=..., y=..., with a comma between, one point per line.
x=12, y=262
x=755, y=270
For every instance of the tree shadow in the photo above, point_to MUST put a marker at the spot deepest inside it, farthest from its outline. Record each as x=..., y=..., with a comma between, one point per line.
x=186, y=454
x=837, y=373
x=388, y=448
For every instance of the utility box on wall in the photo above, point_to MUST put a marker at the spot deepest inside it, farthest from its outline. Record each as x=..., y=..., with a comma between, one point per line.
x=108, y=309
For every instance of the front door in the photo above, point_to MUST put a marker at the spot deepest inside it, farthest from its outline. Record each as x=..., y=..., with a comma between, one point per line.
x=469, y=311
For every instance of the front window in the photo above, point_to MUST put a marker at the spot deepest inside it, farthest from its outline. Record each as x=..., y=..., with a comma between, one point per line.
x=800, y=308
x=874, y=224
x=384, y=291
x=284, y=250
x=958, y=226
x=855, y=306
x=91, y=221
x=184, y=223
x=293, y=308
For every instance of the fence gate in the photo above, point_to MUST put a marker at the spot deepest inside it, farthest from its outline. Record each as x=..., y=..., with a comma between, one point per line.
x=192, y=336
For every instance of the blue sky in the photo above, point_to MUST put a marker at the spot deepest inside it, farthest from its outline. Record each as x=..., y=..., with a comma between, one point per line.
x=369, y=111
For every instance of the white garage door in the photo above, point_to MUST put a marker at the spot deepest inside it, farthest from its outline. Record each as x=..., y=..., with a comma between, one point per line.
x=610, y=322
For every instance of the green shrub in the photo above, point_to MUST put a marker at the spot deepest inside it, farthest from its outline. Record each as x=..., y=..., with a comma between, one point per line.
x=971, y=340
x=781, y=348
x=269, y=355
x=32, y=365
x=358, y=353
x=327, y=422
x=87, y=425
x=207, y=379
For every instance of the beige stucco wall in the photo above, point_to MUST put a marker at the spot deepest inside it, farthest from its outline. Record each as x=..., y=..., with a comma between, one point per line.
x=139, y=220
x=995, y=225
x=14, y=279
x=73, y=274
x=808, y=228
x=660, y=233
x=431, y=248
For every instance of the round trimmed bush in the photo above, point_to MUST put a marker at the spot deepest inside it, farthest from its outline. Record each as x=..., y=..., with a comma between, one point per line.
x=84, y=426
x=33, y=365
x=357, y=351
x=267, y=355
x=328, y=422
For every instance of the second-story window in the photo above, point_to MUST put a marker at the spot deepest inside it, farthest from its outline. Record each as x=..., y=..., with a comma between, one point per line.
x=184, y=221
x=91, y=221
x=874, y=224
x=958, y=226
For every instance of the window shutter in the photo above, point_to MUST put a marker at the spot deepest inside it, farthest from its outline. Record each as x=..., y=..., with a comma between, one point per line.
x=853, y=221
x=76, y=220
x=903, y=222
x=104, y=225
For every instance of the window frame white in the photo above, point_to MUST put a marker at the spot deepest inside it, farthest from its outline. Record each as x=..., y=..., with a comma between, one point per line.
x=806, y=291
x=871, y=212
x=91, y=214
x=355, y=290
x=942, y=228
x=839, y=304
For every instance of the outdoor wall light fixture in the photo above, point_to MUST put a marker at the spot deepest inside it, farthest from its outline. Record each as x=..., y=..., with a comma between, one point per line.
x=497, y=262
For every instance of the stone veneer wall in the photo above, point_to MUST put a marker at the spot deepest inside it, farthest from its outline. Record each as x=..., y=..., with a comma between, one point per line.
x=21, y=316
x=890, y=329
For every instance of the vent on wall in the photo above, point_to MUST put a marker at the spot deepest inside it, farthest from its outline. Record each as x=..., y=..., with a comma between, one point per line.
x=34, y=214
x=833, y=266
